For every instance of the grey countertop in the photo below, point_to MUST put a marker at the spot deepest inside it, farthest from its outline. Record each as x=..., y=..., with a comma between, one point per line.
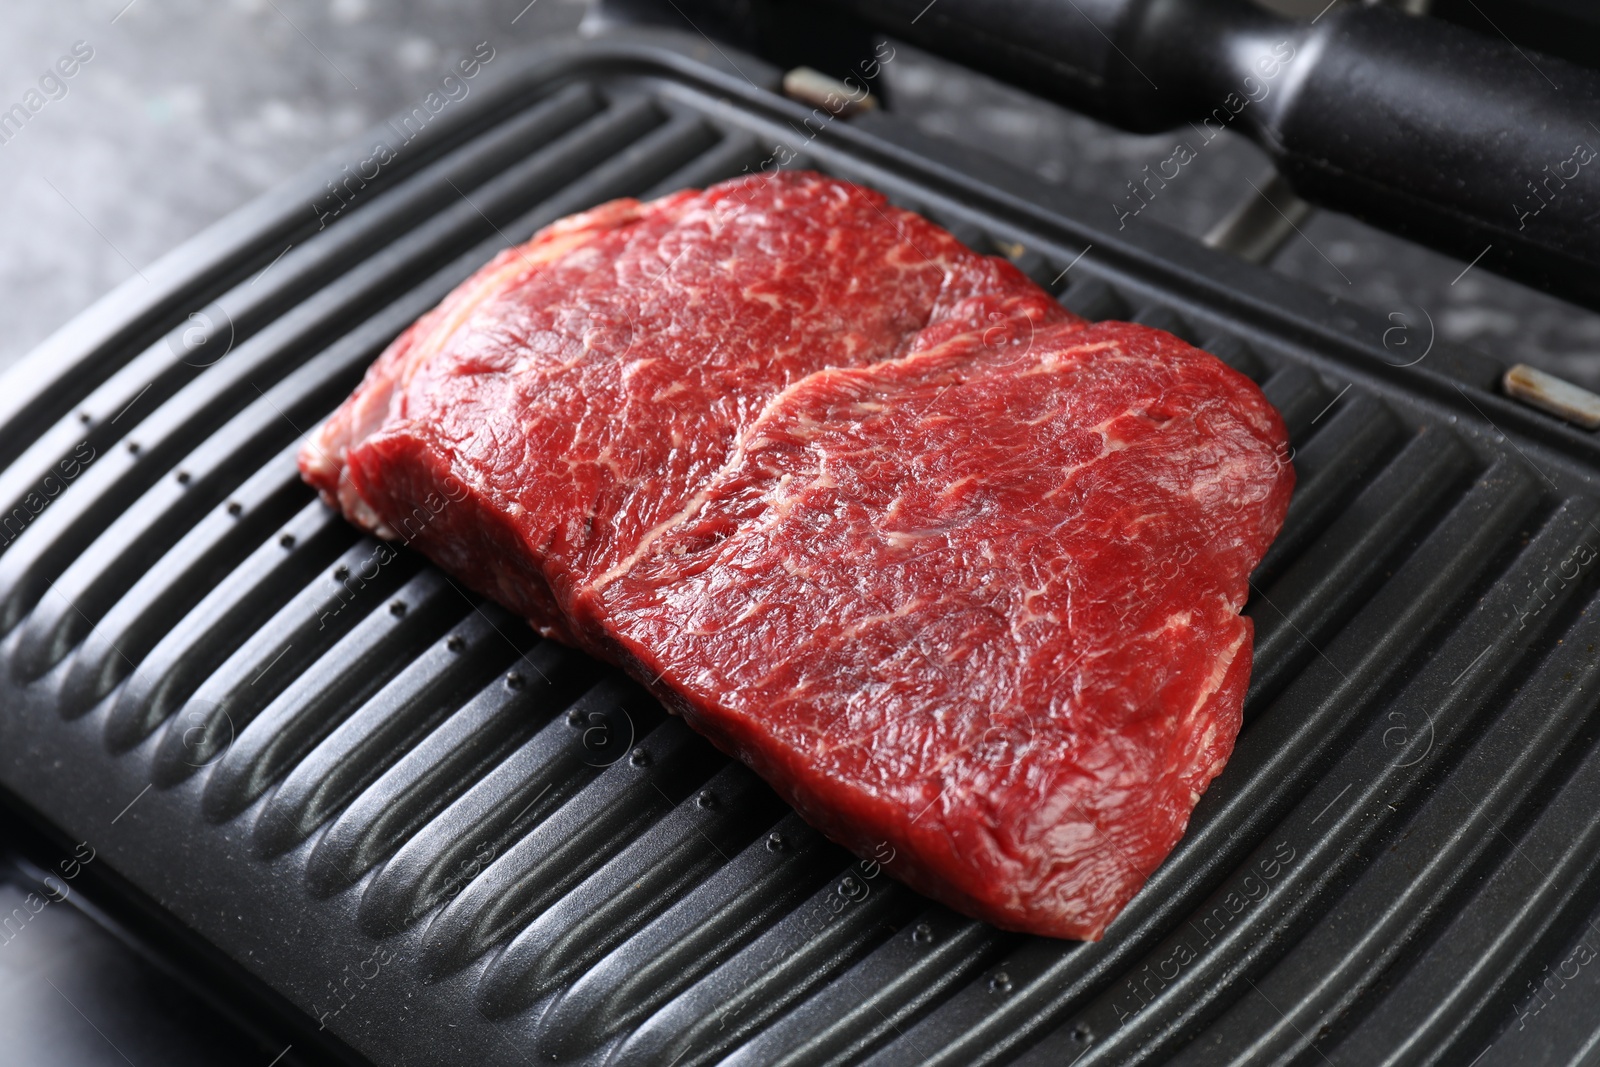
x=188, y=108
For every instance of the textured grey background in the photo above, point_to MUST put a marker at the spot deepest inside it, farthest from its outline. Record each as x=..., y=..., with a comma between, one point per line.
x=191, y=107
x=188, y=109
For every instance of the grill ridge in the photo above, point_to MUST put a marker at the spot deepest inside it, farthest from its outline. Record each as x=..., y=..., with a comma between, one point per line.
x=1493, y=778
x=767, y=879
x=1334, y=818
x=517, y=796
x=389, y=724
x=327, y=691
x=161, y=596
x=649, y=874
x=433, y=773
x=264, y=665
x=209, y=633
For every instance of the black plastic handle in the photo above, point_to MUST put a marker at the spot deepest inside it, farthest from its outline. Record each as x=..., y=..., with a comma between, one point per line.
x=1463, y=142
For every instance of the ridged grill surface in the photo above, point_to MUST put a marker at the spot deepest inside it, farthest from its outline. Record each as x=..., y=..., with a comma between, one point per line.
x=355, y=766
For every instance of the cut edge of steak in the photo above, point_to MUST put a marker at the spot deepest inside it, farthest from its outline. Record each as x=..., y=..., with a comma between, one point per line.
x=330, y=461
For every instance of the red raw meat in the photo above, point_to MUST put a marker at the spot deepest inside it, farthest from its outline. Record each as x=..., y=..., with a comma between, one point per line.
x=584, y=386
x=957, y=573
x=979, y=608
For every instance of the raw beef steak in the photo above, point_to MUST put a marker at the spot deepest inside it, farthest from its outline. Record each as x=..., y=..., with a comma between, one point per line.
x=979, y=610
x=578, y=391
x=956, y=572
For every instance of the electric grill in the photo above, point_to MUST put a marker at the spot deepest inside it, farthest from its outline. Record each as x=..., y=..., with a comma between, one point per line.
x=381, y=820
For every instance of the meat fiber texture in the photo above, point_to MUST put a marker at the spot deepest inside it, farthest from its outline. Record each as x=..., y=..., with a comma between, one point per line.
x=958, y=573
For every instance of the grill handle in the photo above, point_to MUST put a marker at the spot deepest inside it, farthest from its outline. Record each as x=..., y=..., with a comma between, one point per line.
x=1457, y=140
